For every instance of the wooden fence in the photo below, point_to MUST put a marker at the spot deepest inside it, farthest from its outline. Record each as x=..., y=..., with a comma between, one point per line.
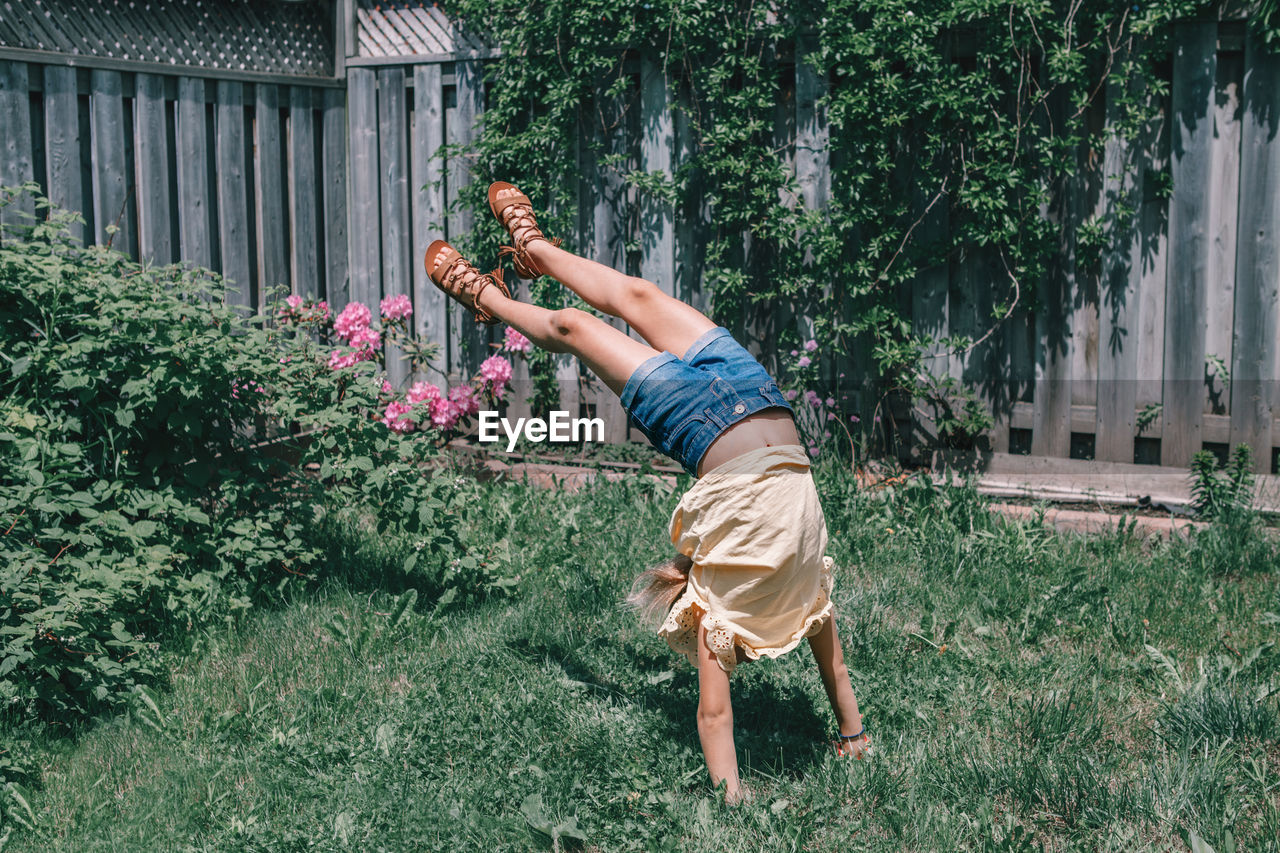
x=335, y=189
x=246, y=178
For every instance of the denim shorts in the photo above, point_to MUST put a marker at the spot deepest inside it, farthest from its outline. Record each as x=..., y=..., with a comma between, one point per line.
x=683, y=404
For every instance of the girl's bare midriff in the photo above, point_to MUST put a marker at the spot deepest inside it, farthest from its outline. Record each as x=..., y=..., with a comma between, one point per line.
x=767, y=428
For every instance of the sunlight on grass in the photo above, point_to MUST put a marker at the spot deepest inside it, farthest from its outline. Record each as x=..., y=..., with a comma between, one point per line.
x=1007, y=673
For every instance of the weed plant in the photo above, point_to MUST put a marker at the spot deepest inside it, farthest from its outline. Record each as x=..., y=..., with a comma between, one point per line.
x=1027, y=690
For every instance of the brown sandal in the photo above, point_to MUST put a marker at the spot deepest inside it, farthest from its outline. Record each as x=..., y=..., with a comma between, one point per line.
x=453, y=274
x=503, y=196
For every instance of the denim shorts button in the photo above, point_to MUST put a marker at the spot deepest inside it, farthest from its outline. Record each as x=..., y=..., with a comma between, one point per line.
x=739, y=409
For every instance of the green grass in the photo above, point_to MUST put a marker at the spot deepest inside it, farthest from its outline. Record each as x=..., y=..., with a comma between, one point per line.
x=1026, y=691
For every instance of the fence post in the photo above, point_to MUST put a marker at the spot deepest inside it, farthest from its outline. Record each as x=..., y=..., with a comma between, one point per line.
x=62, y=142
x=466, y=340
x=151, y=132
x=1118, y=294
x=273, y=241
x=195, y=211
x=15, y=138
x=334, y=178
x=1194, y=71
x=303, y=195
x=604, y=223
x=110, y=188
x=233, y=202
x=427, y=191
x=362, y=128
x=1255, y=365
x=393, y=119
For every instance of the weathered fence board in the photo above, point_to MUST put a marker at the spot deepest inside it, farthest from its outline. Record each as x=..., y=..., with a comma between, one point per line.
x=1224, y=194
x=233, y=197
x=304, y=238
x=151, y=130
x=603, y=209
x=657, y=139
x=1255, y=365
x=1152, y=242
x=813, y=168
x=366, y=243
x=1051, y=429
x=393, y=160
x=273, y=242
x=195, y=207
x=1118, y=299
x=1194, y=73
x=430, y=305
x=466, y=338
x=111, y=208
x=15, y=138
x=62, y=141
x=334, y=179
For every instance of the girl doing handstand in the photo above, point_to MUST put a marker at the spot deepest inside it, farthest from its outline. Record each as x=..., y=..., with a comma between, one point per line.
x=751, y=577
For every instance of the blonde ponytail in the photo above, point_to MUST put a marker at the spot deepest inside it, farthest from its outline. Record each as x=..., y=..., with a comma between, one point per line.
x=658, y=587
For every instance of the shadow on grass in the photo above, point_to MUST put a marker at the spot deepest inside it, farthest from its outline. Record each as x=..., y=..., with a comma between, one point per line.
x=776, y=727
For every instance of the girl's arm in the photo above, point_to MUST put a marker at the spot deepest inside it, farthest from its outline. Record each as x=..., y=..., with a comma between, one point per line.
x=715, y=721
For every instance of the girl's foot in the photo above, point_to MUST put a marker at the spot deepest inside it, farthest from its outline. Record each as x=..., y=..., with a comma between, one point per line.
x=514, y=210
x=453, y=274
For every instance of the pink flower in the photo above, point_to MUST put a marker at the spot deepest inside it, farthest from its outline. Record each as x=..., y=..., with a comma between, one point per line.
x=354, y=317
x=294, y=301
x=423, y=392
x=346, y=356
x=810, y=346
x=811, y=397
x=813, y=450
x=396, y=416
x=386, y=387
x=790, y=394
x=804, y=361
x=795, y=352
x=464, y=399
x=831, y=401
x=365, y=337
x=343, y=357
x=854, y=419
x=395, y=307
x=516, y=342
x=444, y=413
x=496, y=372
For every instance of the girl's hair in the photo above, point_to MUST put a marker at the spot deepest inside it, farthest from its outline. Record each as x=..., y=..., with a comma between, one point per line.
x=657, y=588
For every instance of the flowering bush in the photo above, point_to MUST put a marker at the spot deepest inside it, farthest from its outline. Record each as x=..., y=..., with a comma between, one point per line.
x=138, y=499
x=817, y=416
x=423, y=406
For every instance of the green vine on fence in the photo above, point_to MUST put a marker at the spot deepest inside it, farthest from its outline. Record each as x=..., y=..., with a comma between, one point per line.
x=975, y=111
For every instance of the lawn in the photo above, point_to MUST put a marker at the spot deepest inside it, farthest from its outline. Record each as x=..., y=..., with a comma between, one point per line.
x=1026, y=690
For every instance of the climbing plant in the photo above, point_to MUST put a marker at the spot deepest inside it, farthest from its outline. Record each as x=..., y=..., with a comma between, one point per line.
x=975, y=113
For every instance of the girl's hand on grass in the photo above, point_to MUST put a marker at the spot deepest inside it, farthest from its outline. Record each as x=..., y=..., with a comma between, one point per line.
x=859, y=748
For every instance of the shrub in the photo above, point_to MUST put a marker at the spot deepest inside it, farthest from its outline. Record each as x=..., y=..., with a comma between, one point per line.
x=138, y=498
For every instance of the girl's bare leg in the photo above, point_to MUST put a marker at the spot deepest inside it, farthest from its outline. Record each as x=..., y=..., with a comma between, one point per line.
x=715, y=721
x=610, y=354
x=664, y=321
x=835, y=678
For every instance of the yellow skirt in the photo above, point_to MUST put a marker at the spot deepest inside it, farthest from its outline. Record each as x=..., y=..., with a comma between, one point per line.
x=760, y=581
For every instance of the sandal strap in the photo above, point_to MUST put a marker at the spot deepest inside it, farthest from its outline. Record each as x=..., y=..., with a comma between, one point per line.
x=461, y=277
x=520, y=216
